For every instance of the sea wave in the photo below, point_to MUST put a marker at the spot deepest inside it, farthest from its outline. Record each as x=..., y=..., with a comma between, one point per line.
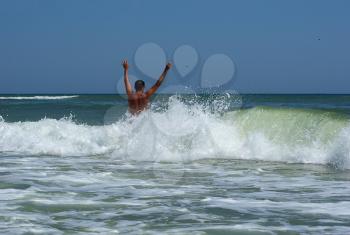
x=37, y=97
x=187, y=132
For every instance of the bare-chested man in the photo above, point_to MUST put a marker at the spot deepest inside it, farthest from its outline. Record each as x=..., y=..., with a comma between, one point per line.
x=138, y=100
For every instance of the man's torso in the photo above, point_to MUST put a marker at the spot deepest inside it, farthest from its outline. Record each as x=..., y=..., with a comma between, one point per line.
x=137, y=102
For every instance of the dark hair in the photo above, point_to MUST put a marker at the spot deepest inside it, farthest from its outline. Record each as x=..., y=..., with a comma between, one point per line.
x=139, y=84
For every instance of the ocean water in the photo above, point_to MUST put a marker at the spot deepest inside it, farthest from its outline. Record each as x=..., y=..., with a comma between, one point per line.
x=204, y=164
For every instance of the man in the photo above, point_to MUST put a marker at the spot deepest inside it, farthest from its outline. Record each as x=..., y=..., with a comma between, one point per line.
x=139, y=100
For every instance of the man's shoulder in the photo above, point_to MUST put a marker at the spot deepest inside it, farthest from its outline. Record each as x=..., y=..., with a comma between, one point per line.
x=137, y=96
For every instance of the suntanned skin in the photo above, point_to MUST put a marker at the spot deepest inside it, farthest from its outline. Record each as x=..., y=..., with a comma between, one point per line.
x=139, y=100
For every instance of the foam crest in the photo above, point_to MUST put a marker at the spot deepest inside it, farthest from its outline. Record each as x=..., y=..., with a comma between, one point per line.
x=186, y=132
x=54, y=137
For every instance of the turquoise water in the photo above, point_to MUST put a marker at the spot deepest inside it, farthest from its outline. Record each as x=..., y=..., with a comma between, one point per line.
x=253, y=164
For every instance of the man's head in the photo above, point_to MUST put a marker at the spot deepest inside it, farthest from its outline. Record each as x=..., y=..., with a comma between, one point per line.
x=139, y=85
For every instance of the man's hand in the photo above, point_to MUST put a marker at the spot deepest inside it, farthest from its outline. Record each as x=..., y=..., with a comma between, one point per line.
x=126, y=78
x=155, y=87
x=168, y=66
x=125, y=64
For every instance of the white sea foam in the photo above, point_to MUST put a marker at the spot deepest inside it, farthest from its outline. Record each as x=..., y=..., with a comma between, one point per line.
x=37, y=97
x=185, y=133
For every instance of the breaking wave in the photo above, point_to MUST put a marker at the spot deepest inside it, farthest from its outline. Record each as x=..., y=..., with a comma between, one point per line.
x=185, y=132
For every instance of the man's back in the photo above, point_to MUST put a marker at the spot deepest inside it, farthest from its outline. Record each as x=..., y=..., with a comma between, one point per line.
x=138, y=100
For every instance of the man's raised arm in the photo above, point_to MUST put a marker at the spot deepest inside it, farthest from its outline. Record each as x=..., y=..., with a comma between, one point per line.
x=155, y=87
x=127, y=84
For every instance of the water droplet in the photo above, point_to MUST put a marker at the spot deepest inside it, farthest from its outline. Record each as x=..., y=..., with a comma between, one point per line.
x=185, y=59
x=217, y=70
x=150, y=59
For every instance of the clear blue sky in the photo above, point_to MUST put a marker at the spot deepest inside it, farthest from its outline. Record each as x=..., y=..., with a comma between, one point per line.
x=75, y=46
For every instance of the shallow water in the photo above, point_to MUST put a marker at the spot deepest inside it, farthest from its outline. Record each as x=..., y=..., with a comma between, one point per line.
x=99, y=194
x=107, y=174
